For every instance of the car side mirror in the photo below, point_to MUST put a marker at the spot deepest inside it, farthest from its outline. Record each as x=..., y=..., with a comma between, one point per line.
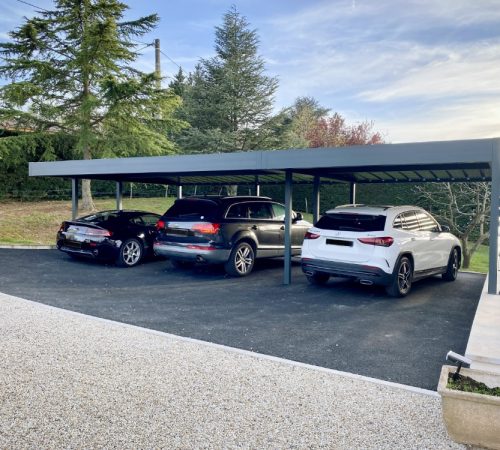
x=445, y=229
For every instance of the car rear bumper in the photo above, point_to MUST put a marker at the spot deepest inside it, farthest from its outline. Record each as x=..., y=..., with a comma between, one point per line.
x=104, y=251
x=363, y=273
x=191, y=252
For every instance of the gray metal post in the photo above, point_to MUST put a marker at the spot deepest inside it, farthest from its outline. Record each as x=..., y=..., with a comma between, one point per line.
x=119, y=195
x=287, y=274
x=179, y=191
x=495, y=194
x=352, y=193
x=316, y=198
x=257, y=186
x=74, y=198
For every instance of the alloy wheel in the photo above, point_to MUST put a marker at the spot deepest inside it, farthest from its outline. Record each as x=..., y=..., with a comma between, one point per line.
x=244, y=259
x=404, y=277
x=131, y=253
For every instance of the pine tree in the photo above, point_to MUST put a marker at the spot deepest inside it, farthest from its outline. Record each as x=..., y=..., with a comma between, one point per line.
x=228, y=98
x=71, y=72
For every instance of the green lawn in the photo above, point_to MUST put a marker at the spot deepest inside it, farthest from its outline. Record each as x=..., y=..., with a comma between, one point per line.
x=479, y=262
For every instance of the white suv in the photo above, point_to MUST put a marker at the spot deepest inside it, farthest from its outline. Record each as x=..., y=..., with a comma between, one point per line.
x=387, y=245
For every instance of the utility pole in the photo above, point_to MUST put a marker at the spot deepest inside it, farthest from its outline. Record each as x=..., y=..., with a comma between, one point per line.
x=157, y=63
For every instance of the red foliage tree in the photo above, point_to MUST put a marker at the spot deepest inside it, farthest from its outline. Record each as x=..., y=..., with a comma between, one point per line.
x=333, y=131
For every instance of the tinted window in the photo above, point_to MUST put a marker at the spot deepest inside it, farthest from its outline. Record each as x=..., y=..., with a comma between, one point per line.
x=99, y=217
x=351, y=222
x=150, y=219
x=426, y=222
x=238, y=211
x=278, y=211
x=259, y=211
x=191, y=208
x=410, y=221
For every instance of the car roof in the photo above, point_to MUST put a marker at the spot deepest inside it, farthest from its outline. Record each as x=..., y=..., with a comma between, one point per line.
x=228, y=200
x=381, y=210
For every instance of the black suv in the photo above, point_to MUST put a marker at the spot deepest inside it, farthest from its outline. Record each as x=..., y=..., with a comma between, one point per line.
x=229, y=230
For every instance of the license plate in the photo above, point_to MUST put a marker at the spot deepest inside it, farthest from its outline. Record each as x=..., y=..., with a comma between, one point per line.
x=74, y=237
x=339, y=242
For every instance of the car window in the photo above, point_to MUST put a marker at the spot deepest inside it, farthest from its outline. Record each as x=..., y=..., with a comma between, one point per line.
x=136, y=220
x=410, y=221
x=99, y=217
x=150, y=219
x=278, y=211
x=351, y=222
x=238, y=211
x=259, y=211
x=426, y=221
x=193, y=208
x=398, y=222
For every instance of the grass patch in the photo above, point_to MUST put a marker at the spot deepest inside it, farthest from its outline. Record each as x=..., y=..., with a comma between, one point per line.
x=480, y=260
x=467, y=384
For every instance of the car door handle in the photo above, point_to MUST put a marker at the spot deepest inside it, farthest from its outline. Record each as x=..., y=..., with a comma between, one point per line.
x=413, y=239
x=282, y=227
x=255, y=227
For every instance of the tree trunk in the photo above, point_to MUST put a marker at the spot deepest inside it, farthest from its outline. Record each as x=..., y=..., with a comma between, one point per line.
x=466, y=259
x=87, y=201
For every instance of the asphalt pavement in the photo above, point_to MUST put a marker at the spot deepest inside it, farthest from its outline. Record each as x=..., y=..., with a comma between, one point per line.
x=342, y=325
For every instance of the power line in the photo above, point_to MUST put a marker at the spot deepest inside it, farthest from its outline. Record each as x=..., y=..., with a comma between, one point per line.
x=169, y=58
x=34, y=6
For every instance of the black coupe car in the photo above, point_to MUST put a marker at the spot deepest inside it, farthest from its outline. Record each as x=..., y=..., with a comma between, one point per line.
x=122, y=236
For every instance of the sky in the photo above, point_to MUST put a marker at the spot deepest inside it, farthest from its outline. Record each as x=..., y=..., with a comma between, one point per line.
x=420, y=70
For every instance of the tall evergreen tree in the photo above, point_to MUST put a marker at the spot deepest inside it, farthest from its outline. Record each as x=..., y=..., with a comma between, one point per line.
x=228, y=98
x=71, y=72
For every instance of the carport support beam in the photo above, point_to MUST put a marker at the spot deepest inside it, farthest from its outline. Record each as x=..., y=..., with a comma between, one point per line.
x=495, y=194
x=352, y=193
x=74, y=198
x=287, y=274
x=316, y=198
x=257, y=186
x=119, y=195
x=179, y=191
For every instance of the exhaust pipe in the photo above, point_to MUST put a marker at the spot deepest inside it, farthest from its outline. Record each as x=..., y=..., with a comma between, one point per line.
x=366, y=282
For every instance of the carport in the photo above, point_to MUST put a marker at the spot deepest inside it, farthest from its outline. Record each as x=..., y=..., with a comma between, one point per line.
x=446, y=161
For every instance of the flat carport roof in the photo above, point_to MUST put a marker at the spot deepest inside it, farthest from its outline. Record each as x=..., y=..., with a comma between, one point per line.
x=465, y=160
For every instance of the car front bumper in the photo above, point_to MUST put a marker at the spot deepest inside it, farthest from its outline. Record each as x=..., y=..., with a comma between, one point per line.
x=363, y=273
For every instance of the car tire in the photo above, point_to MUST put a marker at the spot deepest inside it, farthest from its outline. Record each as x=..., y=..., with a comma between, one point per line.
x=130, y=253
x=241, y=260
x=318, y=278
x=180, y=264
x=401, y=281
x=453, y=266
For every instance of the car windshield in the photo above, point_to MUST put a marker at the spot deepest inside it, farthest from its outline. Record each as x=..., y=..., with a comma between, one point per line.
x=190, y=208
x=351, y=222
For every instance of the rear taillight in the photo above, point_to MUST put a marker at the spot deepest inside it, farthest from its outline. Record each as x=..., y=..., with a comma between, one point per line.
x=206, y=227
x=160, y=225
x=98, y=233
x=385, y=241
x=310, y=235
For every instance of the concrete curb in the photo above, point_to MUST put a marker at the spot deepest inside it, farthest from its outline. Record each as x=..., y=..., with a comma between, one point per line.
x=260, y=356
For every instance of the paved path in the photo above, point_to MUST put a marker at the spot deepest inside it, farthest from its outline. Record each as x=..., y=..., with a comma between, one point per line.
x=74, y=381
x=342, y=326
